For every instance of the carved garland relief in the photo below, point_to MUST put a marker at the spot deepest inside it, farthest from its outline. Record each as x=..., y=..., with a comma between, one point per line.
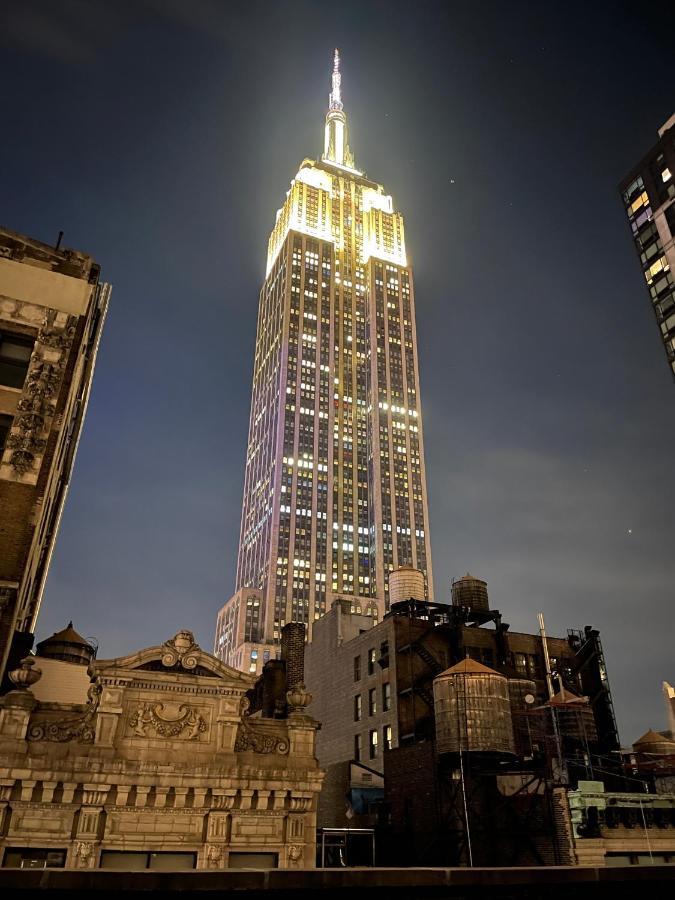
x=150, y=720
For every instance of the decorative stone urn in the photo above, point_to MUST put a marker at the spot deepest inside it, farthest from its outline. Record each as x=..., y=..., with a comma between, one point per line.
x=298, y=698
x=25, y=676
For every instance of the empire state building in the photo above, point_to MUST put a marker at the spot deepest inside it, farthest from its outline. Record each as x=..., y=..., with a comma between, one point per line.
x=335, y=493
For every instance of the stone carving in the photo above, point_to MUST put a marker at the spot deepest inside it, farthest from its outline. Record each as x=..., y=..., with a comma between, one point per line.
x=214, y=856
x=80, y=728
x=84, y=852
x=224, y=799
x=180, y=649
x=57, y=338
x=298, y=698
x=22, y=461
x=249, y=737
x=188, y=723
x=294, y=854
x=27, y=439
x=26, y=675
x=43, y=378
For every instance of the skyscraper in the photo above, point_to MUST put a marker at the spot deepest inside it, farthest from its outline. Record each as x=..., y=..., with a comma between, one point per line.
x=648, y=193
x=52, y=309
x=334, y=491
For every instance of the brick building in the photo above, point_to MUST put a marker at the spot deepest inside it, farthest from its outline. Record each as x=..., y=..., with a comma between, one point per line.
x=373, y=686
x=52, y=309
x=162, y=759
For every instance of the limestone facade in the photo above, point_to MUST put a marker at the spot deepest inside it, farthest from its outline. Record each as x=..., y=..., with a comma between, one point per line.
x=52, y=310
x=621, y=829
x=163, y=767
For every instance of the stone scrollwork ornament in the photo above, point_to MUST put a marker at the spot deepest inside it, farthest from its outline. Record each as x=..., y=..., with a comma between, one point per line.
x=81, y=728
x=251, y=738
x=180, y=649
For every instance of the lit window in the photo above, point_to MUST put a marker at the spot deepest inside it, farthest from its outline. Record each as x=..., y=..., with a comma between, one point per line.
x=357, y=708
x=372, y=702
x=386, y=737
x=372, y=743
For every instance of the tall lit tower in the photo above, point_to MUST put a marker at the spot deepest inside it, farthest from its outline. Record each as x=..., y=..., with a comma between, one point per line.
x=335, y=492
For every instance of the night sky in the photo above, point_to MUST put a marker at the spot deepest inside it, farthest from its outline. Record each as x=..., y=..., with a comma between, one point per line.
x=161, y=136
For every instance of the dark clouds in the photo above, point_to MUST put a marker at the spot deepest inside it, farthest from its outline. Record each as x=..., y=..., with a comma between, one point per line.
x=161, y=136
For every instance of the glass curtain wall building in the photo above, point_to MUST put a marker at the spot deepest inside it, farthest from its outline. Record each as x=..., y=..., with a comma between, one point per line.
x=648, y=194
x=334, y=494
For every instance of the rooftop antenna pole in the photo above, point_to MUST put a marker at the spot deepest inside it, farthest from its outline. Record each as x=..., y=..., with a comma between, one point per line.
x=547, y=659
x=58, y=241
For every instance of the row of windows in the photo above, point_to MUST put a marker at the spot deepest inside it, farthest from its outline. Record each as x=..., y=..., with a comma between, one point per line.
x=373, y=743
x=371, y=658
x=372, y=702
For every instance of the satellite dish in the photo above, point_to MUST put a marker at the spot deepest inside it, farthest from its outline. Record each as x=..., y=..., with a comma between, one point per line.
x=529, y=699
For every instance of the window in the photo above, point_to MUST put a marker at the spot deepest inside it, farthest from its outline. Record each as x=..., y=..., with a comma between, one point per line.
x=134, y=860
x=357, y=708
x=5, y=425
x=15, y=352
x=386, y=696
x=372, y=702
x=357, y=668
x=373, y=743
x=371, y=661
x=358, y=747
x=253, y=861
x=386, y=737
x=33, y=858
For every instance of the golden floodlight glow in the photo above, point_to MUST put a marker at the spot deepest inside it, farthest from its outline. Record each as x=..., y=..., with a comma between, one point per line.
x=307, y=209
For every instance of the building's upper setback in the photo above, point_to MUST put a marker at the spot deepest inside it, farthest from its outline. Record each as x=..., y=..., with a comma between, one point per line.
x=335, y=494
x=52, y=309
x=648, y=193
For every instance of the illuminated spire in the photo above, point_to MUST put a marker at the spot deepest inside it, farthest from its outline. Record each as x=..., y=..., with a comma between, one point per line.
x=336, y=148
x=335, y=97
